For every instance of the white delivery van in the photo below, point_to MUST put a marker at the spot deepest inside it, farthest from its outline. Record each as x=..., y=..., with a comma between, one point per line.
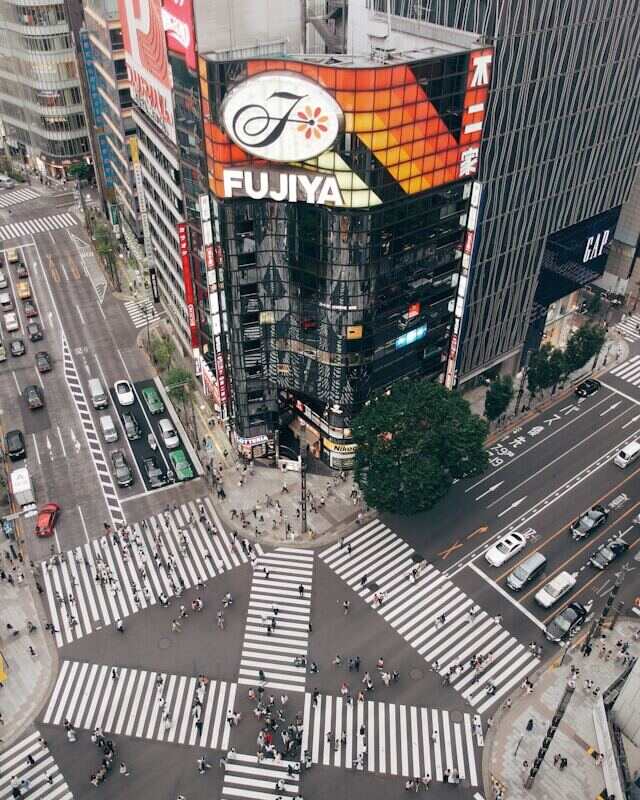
x=109, y=430
x=22, y=491
x=99, y=398
x=627, y=455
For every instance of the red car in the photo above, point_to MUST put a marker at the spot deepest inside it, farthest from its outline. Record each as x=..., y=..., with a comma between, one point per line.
x=46, y=521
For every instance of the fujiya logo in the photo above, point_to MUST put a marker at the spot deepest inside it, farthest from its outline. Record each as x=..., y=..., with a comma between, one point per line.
x=281, y=116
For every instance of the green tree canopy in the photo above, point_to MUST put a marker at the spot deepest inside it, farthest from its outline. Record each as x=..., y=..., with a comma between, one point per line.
x=539, y=371
x=413, y=443
x=584, y=344
x=179, y=383
x=162, y=351
x=79, y=170
x=498, y=396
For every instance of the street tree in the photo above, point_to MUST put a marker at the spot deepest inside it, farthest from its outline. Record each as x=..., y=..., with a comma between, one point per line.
x=539, y=371
x=179, y=384
x=583, y=344
x=412, y=443
x=80, y=170
x=162, y=351
x=498, y=397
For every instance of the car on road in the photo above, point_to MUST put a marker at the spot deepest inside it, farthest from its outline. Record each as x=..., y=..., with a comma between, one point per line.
x=505, y=548
x=11, y=321
x=29, y=309
x=6, y=182
x=43, y=361
x=152, y=399
x=589, y=522
x=181, y=465
x=588, y=387
x=17, y=347
x=23, y=290
x=34, y=396
x=14, y=443
x=6, y=303
x=566, y=624
x=155, y=475
x=124, y=393
x=3, y=281
x=34, y=329
x=131, y=426
x=47, y=518
x=168, y=433
x=3, y=351
x=13, y=257
x=607, y=553
x=552, y=591
x=121, y=469
x=22, y=271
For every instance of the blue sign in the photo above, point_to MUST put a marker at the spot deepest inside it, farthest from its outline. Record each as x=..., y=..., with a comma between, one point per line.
x=93, y=81
x=411, y=336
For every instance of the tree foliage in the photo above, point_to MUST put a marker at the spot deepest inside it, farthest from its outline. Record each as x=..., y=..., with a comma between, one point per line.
x=583, y=344
x=498, y=397
x=179, y=384
x=79, y=170
x=162, y=351
x=413, y=443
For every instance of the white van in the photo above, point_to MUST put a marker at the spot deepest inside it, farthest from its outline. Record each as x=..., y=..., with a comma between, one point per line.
x=22, y=491
x=109, y=430
x=6, y=182
x=99, y=397
x=168, y=433
x=627, y=455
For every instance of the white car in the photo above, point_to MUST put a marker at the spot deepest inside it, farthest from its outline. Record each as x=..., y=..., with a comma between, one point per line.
x=168, y=433
x=557, y=587
x=124, y=393
x=505, y=548
x=11, y=321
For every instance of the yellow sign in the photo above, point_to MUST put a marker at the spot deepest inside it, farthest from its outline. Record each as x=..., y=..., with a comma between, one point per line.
x=133, y=149
x=3, y=671
x=354, y=331
x=339, y=447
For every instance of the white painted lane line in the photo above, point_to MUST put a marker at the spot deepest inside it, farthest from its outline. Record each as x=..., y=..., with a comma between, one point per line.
x=506, y=595
x=64, y=451
x=35, y=447
x=622, y=394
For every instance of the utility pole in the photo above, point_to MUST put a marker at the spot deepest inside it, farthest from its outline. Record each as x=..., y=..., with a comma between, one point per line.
x=303, y=486
x=551, y=732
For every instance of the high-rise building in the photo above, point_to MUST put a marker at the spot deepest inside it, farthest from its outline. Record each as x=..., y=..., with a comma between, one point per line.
x=41, y=102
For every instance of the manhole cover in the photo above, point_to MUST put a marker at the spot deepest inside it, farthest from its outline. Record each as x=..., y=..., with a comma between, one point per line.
x=417, y=558
x=372, y=586
x=416, y=674
x=456, y=716
x=164, y=643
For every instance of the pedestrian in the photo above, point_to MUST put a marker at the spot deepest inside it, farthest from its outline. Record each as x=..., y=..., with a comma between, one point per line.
x=346, y=605
x=123, y=769
x=176, y=627
x=563, y=763
x=556, y=759
x=529, y=727
x=32, y=652
x=120, y=625
x=301, y=590
x=203, y=765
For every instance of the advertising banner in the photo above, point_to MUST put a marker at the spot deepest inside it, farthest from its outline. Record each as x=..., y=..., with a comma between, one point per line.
x=146, y=56
x=177, y=19
x=188, y=284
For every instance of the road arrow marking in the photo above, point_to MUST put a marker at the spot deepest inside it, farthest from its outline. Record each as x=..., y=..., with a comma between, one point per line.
x=515, y=504
x=631, y=421
x=481, y=529
x=446, y=553
x=491, y=489
x=611, y=407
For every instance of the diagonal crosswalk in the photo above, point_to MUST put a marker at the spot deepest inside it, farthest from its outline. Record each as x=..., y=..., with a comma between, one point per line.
x=142, y=703
x=277, y=627
x=37, y=225
x=629, y=370
x=143, y=312
x=432, y=614
x=392, y=739
x=8, y=199
x=249, y=779
x=31, y=767
x=120, y=574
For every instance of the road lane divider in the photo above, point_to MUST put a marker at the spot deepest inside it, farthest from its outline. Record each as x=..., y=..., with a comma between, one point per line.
x=507, y=596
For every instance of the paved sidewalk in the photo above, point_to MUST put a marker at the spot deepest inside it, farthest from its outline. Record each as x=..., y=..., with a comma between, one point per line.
x=508, y=744
x=28, y=678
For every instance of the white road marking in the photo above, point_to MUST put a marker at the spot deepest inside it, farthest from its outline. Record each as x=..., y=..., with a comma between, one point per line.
x=15, y=380
x=64, y=451
x=84, y=524
x=35, y=447
x=515, y=504
x=507, y=596
x=491, y=489
x=622, y=394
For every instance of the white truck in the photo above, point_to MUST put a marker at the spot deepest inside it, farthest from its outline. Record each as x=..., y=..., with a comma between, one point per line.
x=22, y=491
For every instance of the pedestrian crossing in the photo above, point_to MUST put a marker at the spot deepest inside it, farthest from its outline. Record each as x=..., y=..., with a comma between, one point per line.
x=18, y=196
x=37, y=225
x=277, y=629
x=109, y=578
x=629, y=370
x=142, y=703
x=250, y=779
x=143, y=313
x=432, y=614
x=392, y=739
x=29, y=766
x=629, y=327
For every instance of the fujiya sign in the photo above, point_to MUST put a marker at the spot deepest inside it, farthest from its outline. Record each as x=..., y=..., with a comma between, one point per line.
x=293, y=187
x=281, y=116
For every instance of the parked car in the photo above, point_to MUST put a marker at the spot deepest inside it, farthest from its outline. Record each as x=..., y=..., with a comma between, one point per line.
x=505, y=548
x=121, y=469
x=43, y=361
x=552, y=591
x=23, y=290
x=131, y=426
x=124, y=393
x=47, y=518
x=34, y=396
x=13, y=257
x=566, y=624
x=6, y=302
x=34, y=329
x=181, y=465
x=14, y=443
x=155, y=475
x=589, y=522
x=152, y=399
x=22, y=271
x=607, y=553
x=29, y=309
x=11, y=322
x=17, y=347
x=3, y=281
x=168, y=433
x=588, y=387
x=3, y=352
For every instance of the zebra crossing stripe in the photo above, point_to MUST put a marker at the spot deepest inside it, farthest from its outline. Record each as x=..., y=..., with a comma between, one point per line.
x=43, y=776
x=37, y=225
x=142, y=313
x=89, y=696
x=247, y=778
x=629, y=328
x=19, y=196
x=376, y=563
x=629, y=370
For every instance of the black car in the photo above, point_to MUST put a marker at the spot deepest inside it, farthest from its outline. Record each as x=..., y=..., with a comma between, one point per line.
x=590, y=386
x=34, y=329
x=14, y=442
x=131, y=426
x=565, y=624
x=607, y=553
x=121, y=469
x=43, y=361
x=155, y=475
x=22, y=271
x=34, y=396
x=589, y=522
x=17, y=347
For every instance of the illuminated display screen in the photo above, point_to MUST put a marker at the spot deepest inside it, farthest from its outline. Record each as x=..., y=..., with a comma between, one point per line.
x=411, y=336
